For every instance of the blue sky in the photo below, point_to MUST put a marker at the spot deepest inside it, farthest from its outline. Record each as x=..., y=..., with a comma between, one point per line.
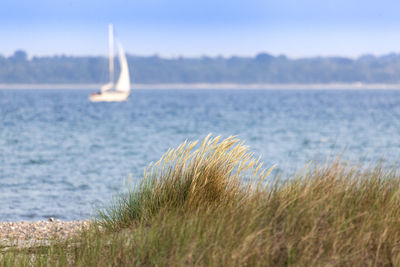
x=207, y=27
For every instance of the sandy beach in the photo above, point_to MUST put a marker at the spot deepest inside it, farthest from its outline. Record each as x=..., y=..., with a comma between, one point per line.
x=39, y=233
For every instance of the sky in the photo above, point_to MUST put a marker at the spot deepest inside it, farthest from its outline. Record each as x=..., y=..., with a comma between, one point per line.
x=296, y=28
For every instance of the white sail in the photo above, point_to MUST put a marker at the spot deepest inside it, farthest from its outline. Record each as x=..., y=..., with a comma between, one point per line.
x=111, y=52
x=119, y=92
x=110, y=84
x=123, y=83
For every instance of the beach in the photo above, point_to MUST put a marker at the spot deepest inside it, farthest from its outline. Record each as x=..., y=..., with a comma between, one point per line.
x=38, y=233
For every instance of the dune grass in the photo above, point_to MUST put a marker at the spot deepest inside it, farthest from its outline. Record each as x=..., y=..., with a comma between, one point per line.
x=184, y=179
x=212, y=204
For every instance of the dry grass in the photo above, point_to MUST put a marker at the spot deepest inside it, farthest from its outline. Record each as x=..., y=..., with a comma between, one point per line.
x=213, y=206
x=211, y=175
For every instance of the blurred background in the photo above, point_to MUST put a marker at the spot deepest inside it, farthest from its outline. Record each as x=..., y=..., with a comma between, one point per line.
x=253, y=41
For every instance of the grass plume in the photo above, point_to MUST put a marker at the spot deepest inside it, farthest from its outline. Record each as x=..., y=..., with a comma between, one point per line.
x=187, y=178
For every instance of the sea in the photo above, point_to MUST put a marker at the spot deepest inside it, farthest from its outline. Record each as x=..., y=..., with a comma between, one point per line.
x=64, y=157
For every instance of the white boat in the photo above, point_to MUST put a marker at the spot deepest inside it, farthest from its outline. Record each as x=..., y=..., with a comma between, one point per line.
x=114, y=92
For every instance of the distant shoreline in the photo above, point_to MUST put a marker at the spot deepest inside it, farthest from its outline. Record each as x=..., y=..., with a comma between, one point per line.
x=233, y=86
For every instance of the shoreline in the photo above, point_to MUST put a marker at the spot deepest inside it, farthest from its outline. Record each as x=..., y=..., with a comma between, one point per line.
x=210, y=86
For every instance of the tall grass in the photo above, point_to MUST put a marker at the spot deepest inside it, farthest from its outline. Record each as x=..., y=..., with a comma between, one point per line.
x=210, y=204
x=211, y=175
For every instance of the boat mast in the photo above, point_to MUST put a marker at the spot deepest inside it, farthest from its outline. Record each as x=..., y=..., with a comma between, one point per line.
x=111, y=52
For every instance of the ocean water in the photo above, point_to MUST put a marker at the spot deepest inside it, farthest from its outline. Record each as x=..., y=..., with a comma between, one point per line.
x=62, y=156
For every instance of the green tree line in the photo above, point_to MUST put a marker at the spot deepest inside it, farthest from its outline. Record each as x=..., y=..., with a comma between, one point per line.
x=263, y=68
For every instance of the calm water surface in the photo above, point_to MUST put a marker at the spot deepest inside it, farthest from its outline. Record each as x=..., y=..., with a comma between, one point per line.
x=61, y=156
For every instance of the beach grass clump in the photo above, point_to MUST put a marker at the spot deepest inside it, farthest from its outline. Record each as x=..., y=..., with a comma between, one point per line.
x=211, y=204
x=186, y=178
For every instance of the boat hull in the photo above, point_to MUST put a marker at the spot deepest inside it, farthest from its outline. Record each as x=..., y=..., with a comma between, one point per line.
x=109, y=97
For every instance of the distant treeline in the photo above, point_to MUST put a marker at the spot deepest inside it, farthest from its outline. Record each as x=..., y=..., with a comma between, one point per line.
x=263, y=68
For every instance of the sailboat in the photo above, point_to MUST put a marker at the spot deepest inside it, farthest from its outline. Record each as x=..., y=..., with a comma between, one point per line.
x=111, y=92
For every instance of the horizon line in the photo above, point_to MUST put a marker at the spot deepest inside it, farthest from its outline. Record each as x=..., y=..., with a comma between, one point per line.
x=209, y=86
